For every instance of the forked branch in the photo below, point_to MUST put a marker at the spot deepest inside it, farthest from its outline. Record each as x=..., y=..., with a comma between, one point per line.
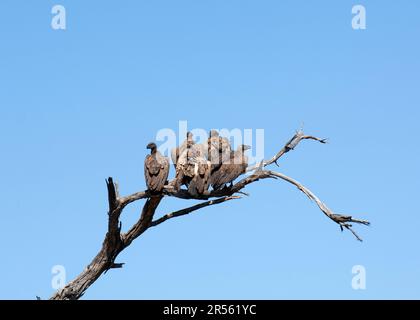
x=115, y=241
x=290, y=145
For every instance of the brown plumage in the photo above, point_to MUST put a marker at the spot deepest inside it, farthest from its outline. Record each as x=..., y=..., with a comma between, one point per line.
x=176, y=152
x=183, y=173
x=200, y=181
x=218, y=149
x=156, y=169
x=188, y=163
x=232, y=167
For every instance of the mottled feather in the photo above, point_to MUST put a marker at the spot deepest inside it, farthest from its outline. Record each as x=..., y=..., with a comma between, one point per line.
x=156, y=170
x=232, y=167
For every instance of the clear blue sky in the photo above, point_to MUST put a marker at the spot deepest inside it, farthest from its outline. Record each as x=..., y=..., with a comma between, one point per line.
x=79, y=105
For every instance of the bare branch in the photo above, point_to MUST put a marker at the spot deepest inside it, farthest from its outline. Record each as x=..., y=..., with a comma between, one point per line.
x=191, y=209
x=112, y=195
x=323, y=141
x=144, y=222
x=342, y=220
x=184, y=194
x=117, y=265
x=337, y=218
x=104, y=260
x=134, y=197
x=113, y=213
x=115, y=242
x=290, y=145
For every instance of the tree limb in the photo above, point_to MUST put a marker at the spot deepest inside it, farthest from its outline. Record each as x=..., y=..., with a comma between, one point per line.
x=115, y=242
x=104, y=260
x=190, y=209
x=290, y=145
x=144, y=222
x=134, y=197
x=341, y=220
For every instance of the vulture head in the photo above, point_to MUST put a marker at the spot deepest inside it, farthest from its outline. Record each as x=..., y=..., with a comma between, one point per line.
x=152, y=146
x=190, y=143
x=244, y=147
x=190, y=139
x=214, y=133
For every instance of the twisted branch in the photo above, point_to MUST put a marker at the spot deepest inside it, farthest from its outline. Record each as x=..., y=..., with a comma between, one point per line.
x=290, y=145
x=341, y=220
x=115, y=242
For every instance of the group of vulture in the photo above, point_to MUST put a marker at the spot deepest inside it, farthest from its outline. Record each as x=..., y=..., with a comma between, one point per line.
x=197, y=165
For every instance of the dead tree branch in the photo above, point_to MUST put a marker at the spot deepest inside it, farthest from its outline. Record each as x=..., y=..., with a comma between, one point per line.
x=144, y=222
x=104, y=260
x=290, y=145
x=341, y=220
x=115, y=242
x=185, y=211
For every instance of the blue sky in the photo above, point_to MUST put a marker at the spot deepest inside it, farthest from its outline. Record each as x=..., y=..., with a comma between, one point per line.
x=79, y=105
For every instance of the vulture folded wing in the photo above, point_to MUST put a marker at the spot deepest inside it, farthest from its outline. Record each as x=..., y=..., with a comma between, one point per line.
x=200, y=182
x=156, y=171
x=175, y=155
x=163, y=173
x=225, y=147
x=218, y=176
x=230, y=171
x=181, y=176
x=178, y=151
x=213, y=147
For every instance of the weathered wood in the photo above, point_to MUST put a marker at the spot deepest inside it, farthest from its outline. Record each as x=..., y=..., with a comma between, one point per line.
x=115, y=242
x=112, y=245
x=290, y=145
x=185, y=211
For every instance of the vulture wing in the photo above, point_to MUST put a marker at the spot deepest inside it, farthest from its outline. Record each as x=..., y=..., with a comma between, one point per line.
x=175, y=155
x=156, y=171
x=218, y=176
x=200, y=182
x=218, y=149
x=163, y=174
x=230, y=171
x=178, y=151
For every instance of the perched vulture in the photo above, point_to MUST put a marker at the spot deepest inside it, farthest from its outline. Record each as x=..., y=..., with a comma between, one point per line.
x=176, y=152
x=184, y=173
x=218, y=149
x=156, y=169
x=190, y=163
x=231, y=168
x=200, y=181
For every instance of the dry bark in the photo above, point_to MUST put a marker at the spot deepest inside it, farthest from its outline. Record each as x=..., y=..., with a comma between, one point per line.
x=115, y=241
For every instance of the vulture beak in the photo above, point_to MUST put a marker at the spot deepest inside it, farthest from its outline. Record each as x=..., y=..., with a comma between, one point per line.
x=150, y=146
x=246, y=147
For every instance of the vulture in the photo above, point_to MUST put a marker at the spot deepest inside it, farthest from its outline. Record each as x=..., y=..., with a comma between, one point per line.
x=193, y=167
x=232, y=167
x=200, y=181
x=218, y=149
x=176, y=152
x=156, y=169
x=184, y=172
